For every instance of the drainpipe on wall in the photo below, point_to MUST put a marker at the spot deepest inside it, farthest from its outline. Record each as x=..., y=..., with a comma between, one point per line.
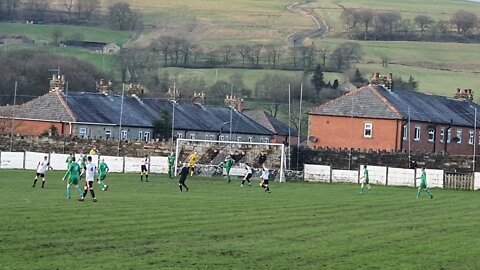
x=434, y=138
x=446, y=134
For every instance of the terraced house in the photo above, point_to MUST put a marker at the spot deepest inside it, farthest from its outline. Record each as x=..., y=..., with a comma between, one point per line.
x=102, y=115
x=377, y=118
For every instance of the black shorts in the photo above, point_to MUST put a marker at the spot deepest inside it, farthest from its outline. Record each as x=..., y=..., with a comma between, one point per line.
x=248, y=176
x=41, y=174
x=182, y=180
x=89, y=184
x=265, y=181
x=144, y=168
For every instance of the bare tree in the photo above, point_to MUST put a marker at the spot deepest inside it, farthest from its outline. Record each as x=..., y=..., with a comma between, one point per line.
x=464, y=20
x=442, y=27
x=387, y=22
x=345, y=54
x=69, y=5
x=186, y=48
x=273, y=54
x=406, y=26
x=323, y=54
x=366, y=17
x=89, y=7
x=122, y=17
x=423, y=22
x=256, y=52
x=56, y=35
x=11, y=8
x=79, y=8
x=227, y=51
x=244, y=51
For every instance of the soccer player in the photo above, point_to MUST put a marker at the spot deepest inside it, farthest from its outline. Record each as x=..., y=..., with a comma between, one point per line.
x=83, y=164
x=42, y=167
x=366, y=180
x=192, y=161
x=102, y=174
x=228, y=165
x=265, y=175
x=183, y=177
x=144, y=169
x=93, y=151
x=171, y=165
x=69, y=160
x=73, y=172
x=423, y=184
x=90, y=170
x=248, y=174
x=261, y=159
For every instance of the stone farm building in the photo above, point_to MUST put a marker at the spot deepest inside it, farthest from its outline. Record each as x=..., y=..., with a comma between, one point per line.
x=377, y=118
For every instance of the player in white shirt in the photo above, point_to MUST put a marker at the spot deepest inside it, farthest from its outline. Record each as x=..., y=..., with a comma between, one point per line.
x=90, y=170
x=248, y=174
x=42, y=167
x=265, y=176
x=144, y=169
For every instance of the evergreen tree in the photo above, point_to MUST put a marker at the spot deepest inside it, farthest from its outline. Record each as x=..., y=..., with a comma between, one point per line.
x=317, y=79
x=335, y=84
x=358, y=78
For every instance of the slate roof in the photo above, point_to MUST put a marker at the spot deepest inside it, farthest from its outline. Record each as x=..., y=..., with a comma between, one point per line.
x=374, y=101
x=270, y=122
x=365, y=102
x=102, y=109
x=49, y=107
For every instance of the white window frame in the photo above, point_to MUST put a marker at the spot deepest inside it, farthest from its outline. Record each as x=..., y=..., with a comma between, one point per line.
x=405, y=132
x=146, y=136
x=368, y=130
x=471, y=137
x=459, y=136
x=108, y=133
x=206, y=137
x=82, y=132
x=431, y=134
x=239, y=138
x=212, y=137
x=250, y=139
x=179, y=135
x=192, y=136
x=124, y=134
x=417, y=134
x=449, y=135
x=140, y=135
x=267, y=140
x=442, y=135
x=222, y=138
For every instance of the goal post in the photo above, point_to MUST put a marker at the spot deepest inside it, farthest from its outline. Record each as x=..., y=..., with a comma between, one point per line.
x=235, y=146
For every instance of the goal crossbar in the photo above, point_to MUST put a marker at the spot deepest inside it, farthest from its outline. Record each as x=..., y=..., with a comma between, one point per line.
x=282, y=146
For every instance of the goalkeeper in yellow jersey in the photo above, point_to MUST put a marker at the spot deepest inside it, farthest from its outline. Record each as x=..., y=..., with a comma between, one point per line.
x=192, y=161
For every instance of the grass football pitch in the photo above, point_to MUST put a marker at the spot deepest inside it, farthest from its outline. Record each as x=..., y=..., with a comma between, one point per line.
x=138, y=225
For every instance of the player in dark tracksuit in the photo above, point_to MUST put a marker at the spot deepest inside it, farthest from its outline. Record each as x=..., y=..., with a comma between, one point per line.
x=183, y=177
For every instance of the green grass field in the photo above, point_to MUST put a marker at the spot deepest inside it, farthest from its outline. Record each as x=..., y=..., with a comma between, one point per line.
x=138, y=225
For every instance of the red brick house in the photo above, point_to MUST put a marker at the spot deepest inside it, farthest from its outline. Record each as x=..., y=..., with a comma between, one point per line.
x=38, y=116
x=376, y=118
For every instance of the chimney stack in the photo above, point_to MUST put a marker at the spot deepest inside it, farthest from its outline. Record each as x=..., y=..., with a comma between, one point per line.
x=57, y=83
x=465, y=94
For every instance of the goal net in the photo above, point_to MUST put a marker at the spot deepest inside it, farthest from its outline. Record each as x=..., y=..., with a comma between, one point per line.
x=212, y=153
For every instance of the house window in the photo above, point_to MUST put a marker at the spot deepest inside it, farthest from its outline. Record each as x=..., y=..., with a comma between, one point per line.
x=212, y=137
x=239, y=138
x=146, y=136
x=405, y=132
x=179, y=135
x=459, y=136
x=124, y=134
x=192, y=136
x=471, y=138
x=431, y=134
x=267, y=140
x=206, y=137
x=250, y=139
x=140, y=135
x=367, y=132
x=449, y=135
x=222, y=138
x=442, y=135
x=108, y=134
x=82, y=132
x=416, y=137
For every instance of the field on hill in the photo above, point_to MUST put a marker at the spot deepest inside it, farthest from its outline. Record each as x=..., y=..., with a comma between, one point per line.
x=138, y=225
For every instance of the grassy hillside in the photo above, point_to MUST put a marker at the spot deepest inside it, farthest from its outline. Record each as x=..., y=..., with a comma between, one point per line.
x=44, y=32
x=138, y=225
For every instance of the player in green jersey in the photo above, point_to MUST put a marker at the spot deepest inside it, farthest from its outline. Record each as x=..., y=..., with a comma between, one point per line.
x=74, y=173
x=83, y=164
x=228, y=165
x=171, y=165
x=69, y=160
x=423, y=184
x=366, y=180
x=102, y=174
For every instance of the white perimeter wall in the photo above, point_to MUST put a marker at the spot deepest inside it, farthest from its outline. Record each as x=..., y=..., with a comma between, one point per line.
x=376, y=174
x=477, y=181
x=316, y=173
x=115, y=164
x=12, y=160
x=159, y=164
x=133, y=164
x=344, y=176
x=32, y=159
x=401, y=177
x=434, y=178
x=58, y=161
